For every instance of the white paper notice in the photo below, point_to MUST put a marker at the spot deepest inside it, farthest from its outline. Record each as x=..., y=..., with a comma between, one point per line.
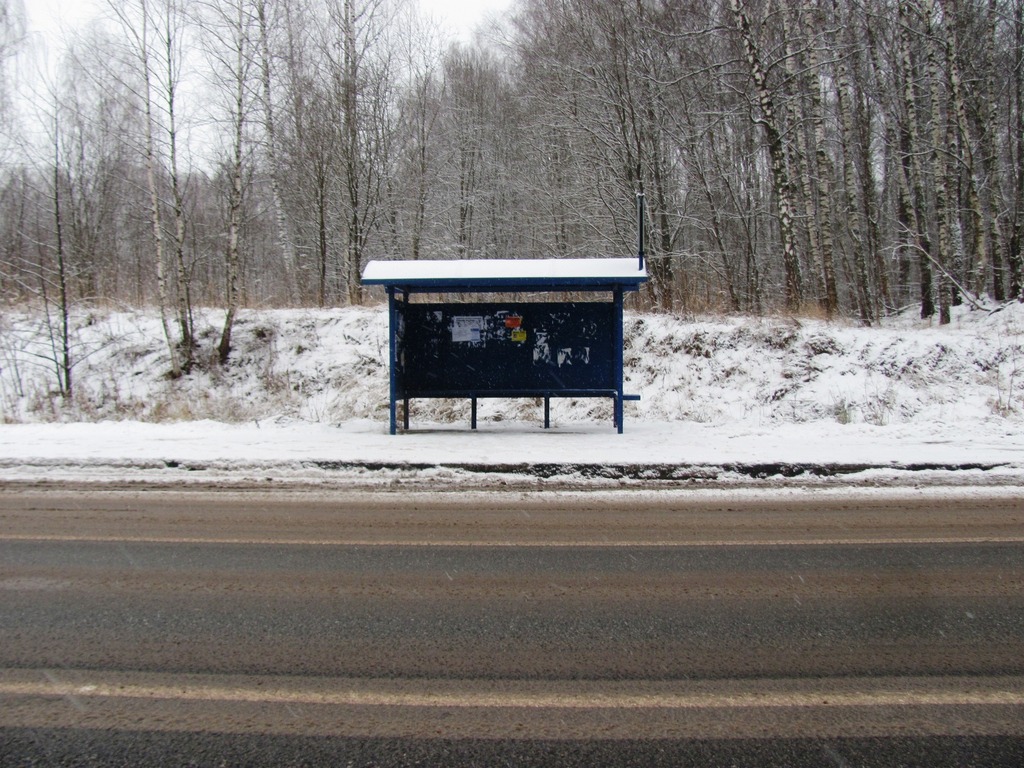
x=466, y=328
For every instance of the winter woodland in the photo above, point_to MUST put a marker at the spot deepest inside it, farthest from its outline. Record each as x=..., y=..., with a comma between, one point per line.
x=844, y=159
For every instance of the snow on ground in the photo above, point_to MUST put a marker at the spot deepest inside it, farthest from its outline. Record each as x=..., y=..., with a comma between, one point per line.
x=305, y=395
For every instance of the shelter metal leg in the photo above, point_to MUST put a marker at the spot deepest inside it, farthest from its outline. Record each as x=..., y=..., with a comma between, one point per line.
x=547, y=412
x=393, y=325
x=618, y=361
x=472, y=411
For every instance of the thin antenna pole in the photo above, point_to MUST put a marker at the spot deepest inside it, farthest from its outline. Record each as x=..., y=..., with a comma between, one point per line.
x=640, y=226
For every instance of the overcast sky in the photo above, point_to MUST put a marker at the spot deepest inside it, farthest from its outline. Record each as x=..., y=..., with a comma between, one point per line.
x=49, y=21
x=461, y=16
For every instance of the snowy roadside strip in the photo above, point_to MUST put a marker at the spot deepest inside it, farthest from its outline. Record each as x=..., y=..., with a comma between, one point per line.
x=461, y=476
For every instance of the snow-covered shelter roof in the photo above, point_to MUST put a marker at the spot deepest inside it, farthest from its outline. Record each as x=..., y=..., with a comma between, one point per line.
x=488, y=275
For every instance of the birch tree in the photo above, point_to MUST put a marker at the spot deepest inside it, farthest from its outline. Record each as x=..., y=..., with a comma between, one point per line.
x=275, y=168
x=855, y=226
x=817, y=190
x=232, y=29
x=1016, y=239
x=940, y=171
x=60, y=327
x=965, y=154
x=359, y=61
x=136, y=28
x=913, y=203
x=768, y=119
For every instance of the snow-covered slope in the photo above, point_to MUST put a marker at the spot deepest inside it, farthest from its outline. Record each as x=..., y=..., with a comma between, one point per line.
x=330, y=366
x=304, y=398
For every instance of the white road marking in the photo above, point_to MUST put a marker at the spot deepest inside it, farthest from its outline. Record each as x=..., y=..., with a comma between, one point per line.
x=340, y=693
x=505, y=543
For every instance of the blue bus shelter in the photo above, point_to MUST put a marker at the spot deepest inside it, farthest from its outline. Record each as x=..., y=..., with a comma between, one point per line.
x=505, y=347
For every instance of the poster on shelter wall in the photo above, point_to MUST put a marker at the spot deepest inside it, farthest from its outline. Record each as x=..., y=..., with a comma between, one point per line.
x=467, y=328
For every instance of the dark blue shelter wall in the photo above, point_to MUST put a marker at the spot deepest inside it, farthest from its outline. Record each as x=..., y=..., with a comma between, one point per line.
x=496, y=348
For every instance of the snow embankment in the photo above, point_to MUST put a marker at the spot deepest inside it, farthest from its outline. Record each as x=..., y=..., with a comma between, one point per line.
x=308, y=388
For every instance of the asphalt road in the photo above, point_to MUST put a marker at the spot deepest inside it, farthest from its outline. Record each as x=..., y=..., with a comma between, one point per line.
x=303, y=628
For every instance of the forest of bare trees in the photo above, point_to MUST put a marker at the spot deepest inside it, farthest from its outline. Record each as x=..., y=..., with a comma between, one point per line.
x=836, y=157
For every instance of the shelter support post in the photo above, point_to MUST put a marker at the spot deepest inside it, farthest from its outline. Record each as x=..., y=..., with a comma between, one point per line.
x=547, y=411
x=617, y=351
x=393, y=362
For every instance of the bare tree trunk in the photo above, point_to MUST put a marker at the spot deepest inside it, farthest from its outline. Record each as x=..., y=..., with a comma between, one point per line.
x=158, y=247
x=822, y=166
x=321, y=237
x=233, y=259
x=863, y=119
x=978, y=224
x=777, y=153
x=350, y=126
x=427, y=111
x=799, y=72
x=284, y=240
x=63, y=341
x=992, y=197
x=940, y=167
x=700, y=169
x=1016, y=240
x=718, y=237
x=184, y=300
x=912, y=184
x=141, y=38
x=847, y=134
